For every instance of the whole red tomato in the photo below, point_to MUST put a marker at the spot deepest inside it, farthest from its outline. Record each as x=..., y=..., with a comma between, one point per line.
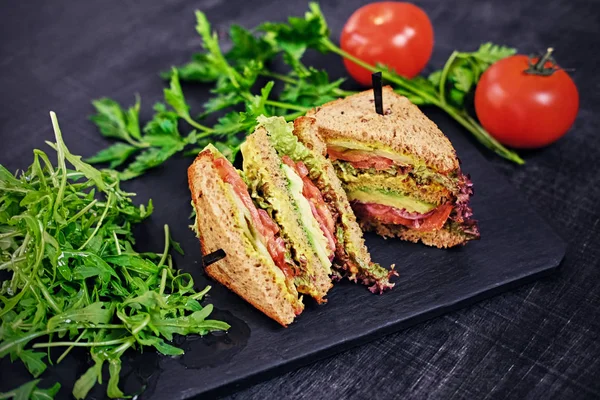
x=396, y=34
x=526, y=103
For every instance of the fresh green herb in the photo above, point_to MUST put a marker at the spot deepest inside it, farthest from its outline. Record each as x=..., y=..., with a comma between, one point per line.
x=155, y=143
x=235, y=76
x=66, y=236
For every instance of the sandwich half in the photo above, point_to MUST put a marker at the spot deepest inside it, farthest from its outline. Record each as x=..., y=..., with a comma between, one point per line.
x=400, y=172
x=300, y=148
x=258, y=265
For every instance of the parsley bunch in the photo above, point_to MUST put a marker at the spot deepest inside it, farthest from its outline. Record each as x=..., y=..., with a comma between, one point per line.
x=66, y=237
x=445, y=89
x=236, y=77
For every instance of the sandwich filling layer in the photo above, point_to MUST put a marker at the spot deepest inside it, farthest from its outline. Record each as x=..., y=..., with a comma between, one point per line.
x=386, y=188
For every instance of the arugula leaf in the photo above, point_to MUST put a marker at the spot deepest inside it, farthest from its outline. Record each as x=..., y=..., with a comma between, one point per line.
x=95, y=313
x=114, y=369
x=88, y=380
x=25, y=391
x=45, y=394
x=33, y=361
x=30, y=391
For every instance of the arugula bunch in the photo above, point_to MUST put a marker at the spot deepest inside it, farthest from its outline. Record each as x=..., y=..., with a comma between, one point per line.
x=66, y=237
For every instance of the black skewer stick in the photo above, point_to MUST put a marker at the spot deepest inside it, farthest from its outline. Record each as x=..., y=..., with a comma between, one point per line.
x=377, y=92
x=213, y=257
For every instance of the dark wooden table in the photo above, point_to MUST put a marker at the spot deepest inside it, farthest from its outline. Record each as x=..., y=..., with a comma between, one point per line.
x=541, y=341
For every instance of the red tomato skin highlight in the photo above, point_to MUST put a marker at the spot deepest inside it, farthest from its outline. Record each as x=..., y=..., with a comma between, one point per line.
x=397, y=34
x=522, y=110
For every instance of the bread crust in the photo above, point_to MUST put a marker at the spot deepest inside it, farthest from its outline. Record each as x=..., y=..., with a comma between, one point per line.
x=243, y=270
x=403, y=127
x=443, y=238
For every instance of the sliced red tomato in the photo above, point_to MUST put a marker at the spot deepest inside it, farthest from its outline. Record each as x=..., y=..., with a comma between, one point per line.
x=436, y=220
x=263, y=223
x=390, y=215
x=317, y=204
x=384, y=214
x=360, y=159
x=230, y=175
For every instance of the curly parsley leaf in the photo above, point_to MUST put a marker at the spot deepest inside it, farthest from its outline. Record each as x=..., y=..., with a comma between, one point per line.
x=115, y=122
x=313, y=89
x=298, y=34
x=246, y=47
x=114, y=155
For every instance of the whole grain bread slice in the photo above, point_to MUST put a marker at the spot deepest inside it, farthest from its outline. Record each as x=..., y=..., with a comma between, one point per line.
x=244, y=271
x=403, y=128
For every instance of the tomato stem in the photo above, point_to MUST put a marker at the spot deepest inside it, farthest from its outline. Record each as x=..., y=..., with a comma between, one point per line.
x=539, y=67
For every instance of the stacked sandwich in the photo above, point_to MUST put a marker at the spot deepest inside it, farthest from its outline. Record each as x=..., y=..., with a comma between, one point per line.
x=286, y=223
x=400, y=172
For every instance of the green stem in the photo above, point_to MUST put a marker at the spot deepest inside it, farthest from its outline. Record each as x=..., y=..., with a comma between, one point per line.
x=462, y=118
x=141, y=326
x=281, y=77
x=344, y=93
x=68, y=350
x=6, y=347
x=166, y=248
x=106, y=207
x=286, y=106
x=293, y=116
x=117, y=351
x=136, y=143
x=77, y=344
x=117, y=245
x=48, y=297
x=444, y=76
x=11, y=262
x=82, y=211
x=10, y=234
x=163, y=282
x=196, y=125
x=482, y=135
x=200, y=294
x=398, y=80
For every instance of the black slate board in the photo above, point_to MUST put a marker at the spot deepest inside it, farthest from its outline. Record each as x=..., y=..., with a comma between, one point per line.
x=516, y=245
